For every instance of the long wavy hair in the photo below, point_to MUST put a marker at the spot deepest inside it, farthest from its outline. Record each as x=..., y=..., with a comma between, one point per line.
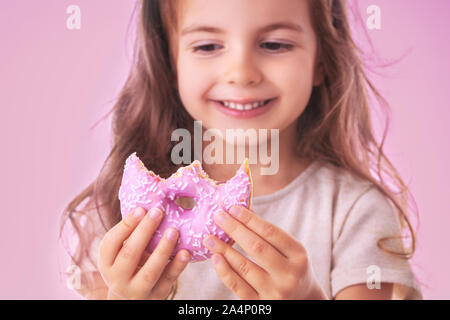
x=335, y=126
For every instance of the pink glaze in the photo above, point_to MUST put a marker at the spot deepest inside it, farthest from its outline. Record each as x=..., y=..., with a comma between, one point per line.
x=143, y=188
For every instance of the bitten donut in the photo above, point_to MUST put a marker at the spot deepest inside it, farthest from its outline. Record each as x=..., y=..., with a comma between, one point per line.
x=143, y=188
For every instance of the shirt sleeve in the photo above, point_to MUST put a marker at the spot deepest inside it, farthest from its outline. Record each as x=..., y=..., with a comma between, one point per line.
x=357, y=259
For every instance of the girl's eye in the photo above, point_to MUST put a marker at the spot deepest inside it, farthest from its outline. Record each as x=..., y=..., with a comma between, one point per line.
x=203, y=47
x=275, y=45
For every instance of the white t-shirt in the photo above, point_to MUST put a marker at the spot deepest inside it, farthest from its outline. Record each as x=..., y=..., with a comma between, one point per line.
x=338, y=218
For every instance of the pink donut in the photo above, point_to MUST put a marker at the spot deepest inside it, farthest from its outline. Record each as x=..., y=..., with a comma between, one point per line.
x=143, y=188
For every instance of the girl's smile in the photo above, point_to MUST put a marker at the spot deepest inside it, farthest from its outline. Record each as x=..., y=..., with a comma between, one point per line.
x=245, y=110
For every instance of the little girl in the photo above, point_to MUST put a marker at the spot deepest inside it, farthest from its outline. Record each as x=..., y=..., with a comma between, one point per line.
x=325, y=226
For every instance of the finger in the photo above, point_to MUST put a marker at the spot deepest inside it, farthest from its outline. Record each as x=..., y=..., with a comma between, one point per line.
x=113, y=240
x=144, y=258
x=129, y=256
x=171, y=274
x=278, y=238
x=246, y=269
x=256, y=247
x=146, y=278
x=232, y=280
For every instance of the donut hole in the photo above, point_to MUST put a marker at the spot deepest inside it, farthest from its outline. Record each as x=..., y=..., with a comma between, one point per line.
x=187, y=203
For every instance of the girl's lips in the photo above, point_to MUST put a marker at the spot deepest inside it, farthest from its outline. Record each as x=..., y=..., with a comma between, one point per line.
x=244, y=114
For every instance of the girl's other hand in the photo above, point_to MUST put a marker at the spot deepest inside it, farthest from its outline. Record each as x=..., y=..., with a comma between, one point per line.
x=122, y=250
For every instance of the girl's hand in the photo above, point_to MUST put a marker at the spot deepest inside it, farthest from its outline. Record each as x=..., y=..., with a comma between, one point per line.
x=281, y=269
x=122, y=249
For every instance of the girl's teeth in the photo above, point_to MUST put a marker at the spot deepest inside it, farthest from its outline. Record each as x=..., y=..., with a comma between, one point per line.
x=247, y=106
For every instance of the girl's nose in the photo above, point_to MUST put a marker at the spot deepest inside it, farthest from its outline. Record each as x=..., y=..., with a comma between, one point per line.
x=243, y=69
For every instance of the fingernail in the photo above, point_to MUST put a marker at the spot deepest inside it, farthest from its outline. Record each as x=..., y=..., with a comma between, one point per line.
x=171, y=234
x=210, y=242
x=235, y=211
x=221, y=217
x=138, y=212
x=215, y=259
x=184, y=256
x=155, y=213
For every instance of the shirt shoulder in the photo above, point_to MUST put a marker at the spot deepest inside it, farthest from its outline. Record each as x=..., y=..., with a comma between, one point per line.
x=362, y=216
x=355, y=200
x=339, y=180
x=338, y=186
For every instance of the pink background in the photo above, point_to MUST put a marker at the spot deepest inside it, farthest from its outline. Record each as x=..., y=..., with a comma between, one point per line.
x=56, y=83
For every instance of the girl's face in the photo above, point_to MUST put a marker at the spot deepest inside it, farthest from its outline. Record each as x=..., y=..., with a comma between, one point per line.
x=235, y=54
